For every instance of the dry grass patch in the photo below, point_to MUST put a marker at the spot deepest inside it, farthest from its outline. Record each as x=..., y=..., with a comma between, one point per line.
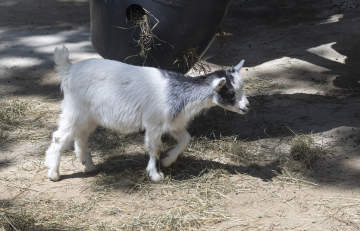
x=191, y=193
x=22, y=114
x=305, y=156
x=179, y=219
x=11, y=113
x=11, y=219
x=190, y=200
x=237, y=151
x=38, y=215
x=306, y=152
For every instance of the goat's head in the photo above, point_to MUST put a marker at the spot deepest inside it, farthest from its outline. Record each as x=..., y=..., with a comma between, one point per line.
x=229, y=93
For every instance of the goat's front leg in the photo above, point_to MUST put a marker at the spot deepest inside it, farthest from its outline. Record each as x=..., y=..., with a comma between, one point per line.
x=153, y=145
x=183, y=138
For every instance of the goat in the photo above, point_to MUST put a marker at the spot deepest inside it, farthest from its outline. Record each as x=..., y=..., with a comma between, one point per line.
x=123, y=97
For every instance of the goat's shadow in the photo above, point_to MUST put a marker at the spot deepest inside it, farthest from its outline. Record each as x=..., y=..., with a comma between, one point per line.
x=126, y=168
x=188, y=167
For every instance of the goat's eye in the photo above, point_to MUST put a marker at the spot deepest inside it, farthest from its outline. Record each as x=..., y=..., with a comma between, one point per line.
x=232, y=70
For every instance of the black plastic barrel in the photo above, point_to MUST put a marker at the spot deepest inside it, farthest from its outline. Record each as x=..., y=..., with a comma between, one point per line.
x=181, y=24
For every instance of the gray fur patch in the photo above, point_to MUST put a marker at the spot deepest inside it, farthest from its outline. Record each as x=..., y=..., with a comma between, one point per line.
x=184, y=89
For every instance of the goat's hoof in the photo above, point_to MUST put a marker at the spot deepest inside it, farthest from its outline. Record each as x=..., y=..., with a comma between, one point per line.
x=90, y=168
x=53, y=175
x=157, y=177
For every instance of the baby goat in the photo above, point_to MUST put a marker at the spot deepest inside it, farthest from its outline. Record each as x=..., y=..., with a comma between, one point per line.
x=127, y=98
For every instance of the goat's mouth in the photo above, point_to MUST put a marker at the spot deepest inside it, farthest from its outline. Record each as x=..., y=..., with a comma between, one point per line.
x=244, y=110
x=239, y=110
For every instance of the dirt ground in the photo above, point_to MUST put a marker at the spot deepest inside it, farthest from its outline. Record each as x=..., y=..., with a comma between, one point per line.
x=302, y=60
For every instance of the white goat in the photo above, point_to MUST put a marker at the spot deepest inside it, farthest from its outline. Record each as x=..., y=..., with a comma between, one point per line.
x=127, y=98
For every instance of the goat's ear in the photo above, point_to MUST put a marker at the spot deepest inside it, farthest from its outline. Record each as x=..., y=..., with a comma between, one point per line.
x=217, y=84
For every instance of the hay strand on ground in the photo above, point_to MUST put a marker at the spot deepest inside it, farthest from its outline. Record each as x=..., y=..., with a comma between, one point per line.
x=15, y=113
x=10, y=113
x=18, y=220
x=305, y=151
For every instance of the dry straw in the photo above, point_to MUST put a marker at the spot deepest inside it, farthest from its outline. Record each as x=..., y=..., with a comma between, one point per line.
x=304, y=150
x=146, y=40
x=190, y=58
x=18, y=113
x=304, y=156
x=16, y=220
x=187, y=58
x=10, y=113
x=222, y=36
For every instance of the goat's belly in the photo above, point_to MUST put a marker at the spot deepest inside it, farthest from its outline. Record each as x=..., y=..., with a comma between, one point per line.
x=127, y=123
x=123, y=128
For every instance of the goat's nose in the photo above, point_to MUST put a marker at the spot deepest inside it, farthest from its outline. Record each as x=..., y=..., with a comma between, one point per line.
x=246, y=108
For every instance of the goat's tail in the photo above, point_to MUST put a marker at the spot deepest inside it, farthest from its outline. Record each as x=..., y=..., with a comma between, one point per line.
x=61, y=58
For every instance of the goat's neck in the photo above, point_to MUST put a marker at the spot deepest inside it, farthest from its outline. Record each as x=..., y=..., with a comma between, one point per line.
x=195, y=107
x=188, y=96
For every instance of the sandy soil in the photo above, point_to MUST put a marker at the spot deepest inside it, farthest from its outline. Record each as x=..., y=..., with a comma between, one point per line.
x=302, y=61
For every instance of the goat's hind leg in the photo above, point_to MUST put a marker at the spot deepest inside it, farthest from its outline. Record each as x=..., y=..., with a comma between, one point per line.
x=183, y=138
x=153, y=145
x=82, y=150
x=59, y=141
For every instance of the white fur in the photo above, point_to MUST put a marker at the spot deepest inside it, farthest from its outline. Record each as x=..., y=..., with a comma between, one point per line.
x=120, y=97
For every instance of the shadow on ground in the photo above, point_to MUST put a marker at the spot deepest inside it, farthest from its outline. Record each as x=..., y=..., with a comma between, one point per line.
x=276, y=116
x=29, y=32
x=125, y=170
x=261, y=32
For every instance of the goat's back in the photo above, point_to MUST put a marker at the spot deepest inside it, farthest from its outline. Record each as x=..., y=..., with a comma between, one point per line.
x=116, y=95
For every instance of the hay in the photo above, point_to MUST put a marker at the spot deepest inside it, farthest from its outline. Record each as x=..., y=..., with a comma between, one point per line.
x=140, y=18
x=201, y=185
x=11, y=111
x=305, y=156
x=146, y=36
x=16, y=220
x=237, y=150
x=179, y=219
x=18, y=113
x=41, y=213
x=197, y=197
x=189, y=58
x=304, y=150
x=222, y=36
